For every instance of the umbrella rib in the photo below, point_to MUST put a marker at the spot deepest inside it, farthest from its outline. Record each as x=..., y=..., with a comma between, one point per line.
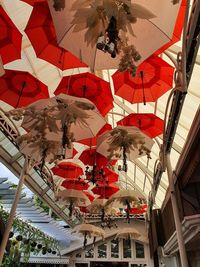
x=159, y=29
x=65, y=33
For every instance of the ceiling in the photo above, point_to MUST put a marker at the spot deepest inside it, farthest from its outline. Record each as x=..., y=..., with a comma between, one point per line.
x=140, y=171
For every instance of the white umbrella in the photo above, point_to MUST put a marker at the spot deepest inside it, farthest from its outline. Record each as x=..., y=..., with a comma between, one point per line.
x=148, y=25
x=89, y=230
x=124, y=142
x=128, y=233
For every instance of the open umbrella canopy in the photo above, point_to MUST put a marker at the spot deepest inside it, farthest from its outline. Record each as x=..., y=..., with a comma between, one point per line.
x=91, y=157
x=97, y=205
x=153, y=78
x=41, y=33
x=98, y=28
x=72, y=195
x=67, y=170
x=20, y=88
x=93, y=141
x=109, y=177
x=80, y=116
x=78, y=184
x=38, y=150
x=148, y=123
x=124, y=142
x=90, y=230
x=105, y=191
x=124, y=195
x=10, y=39
x=89, y=86
x=128, y=233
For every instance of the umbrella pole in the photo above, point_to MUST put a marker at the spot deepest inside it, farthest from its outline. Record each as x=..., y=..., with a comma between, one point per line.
x=142, y=78
x=21, y=92
x=13, y=208
x=178, y=224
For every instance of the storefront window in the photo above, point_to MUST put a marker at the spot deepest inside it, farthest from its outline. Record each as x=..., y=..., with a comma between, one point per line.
x=102, y=251
x=89, y=253
x=127, y=248
x=115, y=248
x=139, y=250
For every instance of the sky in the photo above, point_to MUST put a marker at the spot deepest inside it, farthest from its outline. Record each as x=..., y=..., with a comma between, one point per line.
x=6, y=173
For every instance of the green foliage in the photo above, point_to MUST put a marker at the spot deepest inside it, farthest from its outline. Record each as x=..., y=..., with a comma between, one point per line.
x=25, y=240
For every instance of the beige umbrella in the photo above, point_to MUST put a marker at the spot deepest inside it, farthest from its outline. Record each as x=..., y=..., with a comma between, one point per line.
x=89, y=230
x=62, y=118
x=128, y=233
x=124, y=142
x=84, y=23
x=38, y=150
x=127, y=197
x=72, y=198
x=98, y=206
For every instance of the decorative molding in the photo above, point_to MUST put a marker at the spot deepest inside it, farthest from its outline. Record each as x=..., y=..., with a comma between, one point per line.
x=190, y=228
x=50, y=260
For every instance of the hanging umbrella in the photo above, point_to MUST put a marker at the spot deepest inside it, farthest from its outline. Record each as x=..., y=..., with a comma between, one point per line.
x=67, y=170
x=90, y=157
x=178, y=27
x=128, y=233
x=105, y=191
x=32, y=2
x=93, y=141
x=124, y=142
x=89, y=86
x=137, y=211
x=148, y=123
x=109, y=177
x=10, y=39
x=20, y=88
x=105, y=31
x=62, y=115
x=98, y=206
x=78, y=184
x=72, y=197
x=38, y=150
x=41, y=33
x=153, y=78
x=89, y=230
x=125, y=197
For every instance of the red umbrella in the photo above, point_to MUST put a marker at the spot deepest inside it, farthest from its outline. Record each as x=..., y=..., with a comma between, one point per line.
x=89, y=195
x=32, y=2
x=109, y=177
x=93, y=141
x=20, y=88
x=40, y=30
x=140, y=210
x=68, y=170
x=89, y=86
x=105, y=191
x=78, y=184
x=154, y=77
x=91, y=157
x=148, y=123
x=177, y=29
x=10, y=39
